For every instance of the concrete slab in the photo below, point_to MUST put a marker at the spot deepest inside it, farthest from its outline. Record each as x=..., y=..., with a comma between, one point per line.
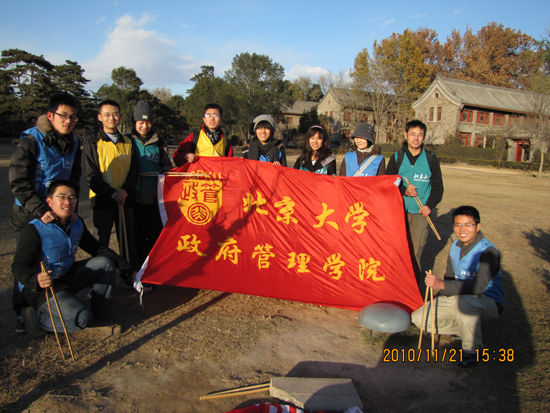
x=316, y=393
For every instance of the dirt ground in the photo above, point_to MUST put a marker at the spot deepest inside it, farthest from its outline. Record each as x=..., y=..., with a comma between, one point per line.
x=184, y=343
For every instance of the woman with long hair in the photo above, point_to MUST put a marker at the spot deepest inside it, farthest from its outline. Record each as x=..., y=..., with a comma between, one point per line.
x=316, y=155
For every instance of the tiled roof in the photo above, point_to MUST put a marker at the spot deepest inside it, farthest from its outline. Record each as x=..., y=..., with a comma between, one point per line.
x=487, y=96
x=299, y=107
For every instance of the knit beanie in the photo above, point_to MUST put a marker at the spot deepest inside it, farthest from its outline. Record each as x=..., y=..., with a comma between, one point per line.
x=265, y=118
x=364, y=130
x=143, y=111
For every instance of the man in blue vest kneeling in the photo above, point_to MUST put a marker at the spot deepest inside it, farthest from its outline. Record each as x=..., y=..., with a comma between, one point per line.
x=55, y=245
x=471, y=290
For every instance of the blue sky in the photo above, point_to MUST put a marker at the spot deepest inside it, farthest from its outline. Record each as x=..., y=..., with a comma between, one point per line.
x=166, y=42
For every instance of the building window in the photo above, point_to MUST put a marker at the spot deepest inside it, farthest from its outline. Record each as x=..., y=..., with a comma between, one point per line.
x=347, y=133
x=479, y=141
x=466, y=115
x=330, y=115
x=514, y=119
x=289, y=120
x=431, y=115
x=465, y=138
x=436, y=95
x=347, y=116
x=498, y=119
x=439, y=109
x=482, y=117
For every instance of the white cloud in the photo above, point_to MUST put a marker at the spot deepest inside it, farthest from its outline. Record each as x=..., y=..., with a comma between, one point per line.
x=457, y=11
x=101, y=20
x=155, y=58
x=418, y=15
x=313, y=72
x=388, y=21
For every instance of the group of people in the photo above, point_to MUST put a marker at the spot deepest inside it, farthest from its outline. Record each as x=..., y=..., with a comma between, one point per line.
x=44, y=173
x=121, y=172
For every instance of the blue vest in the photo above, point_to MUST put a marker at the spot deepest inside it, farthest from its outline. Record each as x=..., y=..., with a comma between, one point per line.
x=466, y=268
x=58, y=248
x=149, y=161
x=420, y=176
x=50, y=163
x=352, y=166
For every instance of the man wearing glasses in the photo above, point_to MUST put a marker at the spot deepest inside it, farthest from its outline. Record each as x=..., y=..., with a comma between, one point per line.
x=111, y=163
x=45, y=152
x=421, y=168
x=209, y=141
x=471, y=290
x=54, y=246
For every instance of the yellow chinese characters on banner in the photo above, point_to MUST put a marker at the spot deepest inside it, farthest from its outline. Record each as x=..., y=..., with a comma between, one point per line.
x=229, y=251
x=190, y=243
x=369, y=270
x=263, y=254
x=300, y=261
x=207, y=192
x=201, y=199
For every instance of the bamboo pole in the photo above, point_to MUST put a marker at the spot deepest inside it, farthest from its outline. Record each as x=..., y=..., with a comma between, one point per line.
x=255, y=388
x=420, y=205
x=43, y=268
x=53, y=324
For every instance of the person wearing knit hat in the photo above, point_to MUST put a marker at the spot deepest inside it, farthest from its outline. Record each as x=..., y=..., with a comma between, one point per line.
x=263, y=146
x=143, y=112
x=153, y=157
x=365, y=160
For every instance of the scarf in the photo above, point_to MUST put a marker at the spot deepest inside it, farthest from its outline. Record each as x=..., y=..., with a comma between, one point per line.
x=269, y=149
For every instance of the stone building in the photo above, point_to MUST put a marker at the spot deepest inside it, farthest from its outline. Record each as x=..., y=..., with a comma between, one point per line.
x=477, y=115
x=345, y=108
x=294, y=113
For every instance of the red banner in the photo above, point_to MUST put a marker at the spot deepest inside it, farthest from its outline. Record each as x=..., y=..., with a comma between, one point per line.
x=251, y=227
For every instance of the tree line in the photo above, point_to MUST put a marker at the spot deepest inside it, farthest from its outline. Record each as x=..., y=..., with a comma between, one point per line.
x=402, y=66
x=254, y=84
x=387, y=80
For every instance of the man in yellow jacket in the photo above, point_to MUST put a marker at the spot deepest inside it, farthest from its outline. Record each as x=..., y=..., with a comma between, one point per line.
x=111, y=165
x=209, y=141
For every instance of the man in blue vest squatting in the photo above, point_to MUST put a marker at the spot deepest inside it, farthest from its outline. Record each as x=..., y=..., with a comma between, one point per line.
x=55, y=245
x=45, y=152
x=209, y=141
x=471, y=290
x=421, y=168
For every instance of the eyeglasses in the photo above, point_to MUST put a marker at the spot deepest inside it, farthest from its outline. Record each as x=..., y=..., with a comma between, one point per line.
x=71, y=198
x=467, y=225
x=212, y=115
x=72, y=118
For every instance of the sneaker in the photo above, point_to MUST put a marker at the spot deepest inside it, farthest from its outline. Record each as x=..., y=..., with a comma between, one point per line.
x=20, y=325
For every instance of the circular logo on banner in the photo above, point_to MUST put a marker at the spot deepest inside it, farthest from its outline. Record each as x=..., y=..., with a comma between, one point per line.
x=198, y=214
x=201, y=197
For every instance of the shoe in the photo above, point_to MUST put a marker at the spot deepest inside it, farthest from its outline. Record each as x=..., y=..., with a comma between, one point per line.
x=20, y=327
x=468, y=359
x=30, y=320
